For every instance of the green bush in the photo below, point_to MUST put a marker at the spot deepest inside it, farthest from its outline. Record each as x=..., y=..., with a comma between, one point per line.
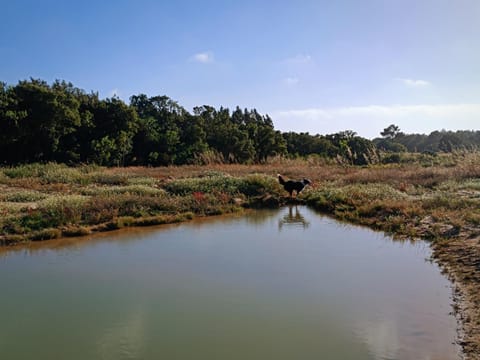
x=254, y=185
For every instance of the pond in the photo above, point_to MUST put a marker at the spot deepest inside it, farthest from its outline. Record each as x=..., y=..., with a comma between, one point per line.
x=270, y=284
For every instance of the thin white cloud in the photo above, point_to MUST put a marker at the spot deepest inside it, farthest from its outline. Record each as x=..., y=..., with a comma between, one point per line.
x=290, y=81
x=299, y=59
x=414, y=83
x=203, y=57
x=440, y=110
x=369, y=120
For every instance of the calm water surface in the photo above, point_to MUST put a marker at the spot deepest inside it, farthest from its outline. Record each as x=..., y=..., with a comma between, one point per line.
x=285, y=284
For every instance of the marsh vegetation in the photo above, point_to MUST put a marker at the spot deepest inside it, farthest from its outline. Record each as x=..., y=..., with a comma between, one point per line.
x=435, y=197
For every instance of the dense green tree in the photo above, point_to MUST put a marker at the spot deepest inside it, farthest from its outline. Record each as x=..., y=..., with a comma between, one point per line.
x=50, y=113
x=389, y=145
x=11, y=117
x=114, y=126
x=162, y=122
x=225, y=136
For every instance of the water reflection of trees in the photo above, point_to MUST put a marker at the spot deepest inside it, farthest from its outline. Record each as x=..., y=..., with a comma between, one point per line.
x=293, y=218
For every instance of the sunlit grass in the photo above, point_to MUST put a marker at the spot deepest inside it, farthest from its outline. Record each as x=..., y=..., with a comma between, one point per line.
x=408, y=198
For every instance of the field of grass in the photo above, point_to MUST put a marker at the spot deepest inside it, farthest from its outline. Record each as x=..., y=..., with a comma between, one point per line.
x=39, y=202
x=430, y=197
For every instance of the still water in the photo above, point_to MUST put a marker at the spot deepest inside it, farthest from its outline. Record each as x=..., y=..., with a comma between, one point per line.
x=286, y=284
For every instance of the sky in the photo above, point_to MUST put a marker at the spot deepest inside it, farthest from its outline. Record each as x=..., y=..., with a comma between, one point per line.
x=312, y=65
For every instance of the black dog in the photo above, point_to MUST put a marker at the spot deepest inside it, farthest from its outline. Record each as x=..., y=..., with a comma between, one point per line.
x=292, y=186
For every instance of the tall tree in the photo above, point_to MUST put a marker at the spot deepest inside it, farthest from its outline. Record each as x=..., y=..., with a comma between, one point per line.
x=391, y=132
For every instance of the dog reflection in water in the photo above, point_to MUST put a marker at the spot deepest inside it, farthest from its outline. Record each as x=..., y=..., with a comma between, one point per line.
x=293, y=218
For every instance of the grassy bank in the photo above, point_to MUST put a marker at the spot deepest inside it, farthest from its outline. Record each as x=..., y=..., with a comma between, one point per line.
x=40, y=202
x=435, y=198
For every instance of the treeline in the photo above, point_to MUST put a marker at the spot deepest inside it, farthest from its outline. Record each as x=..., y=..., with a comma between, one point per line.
x=59, y=122
x=437, y=141
x=62, y=123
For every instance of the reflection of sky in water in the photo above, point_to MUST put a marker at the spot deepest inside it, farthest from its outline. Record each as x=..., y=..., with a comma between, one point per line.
x=271, y=284
x=382, y=339
x=125, y=339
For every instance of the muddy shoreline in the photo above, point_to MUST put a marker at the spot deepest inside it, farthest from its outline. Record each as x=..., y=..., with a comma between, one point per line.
x=460, y=261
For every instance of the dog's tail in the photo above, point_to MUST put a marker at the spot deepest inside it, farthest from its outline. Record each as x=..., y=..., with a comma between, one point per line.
x=280, y=180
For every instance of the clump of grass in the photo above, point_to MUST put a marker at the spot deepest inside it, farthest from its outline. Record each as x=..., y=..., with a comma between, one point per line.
x=54, y=212
x=472, y=184
x=23, y=171
x=102, y=209
x=140, y=190
x=3, y=177
x=213, y=173
x=47, y=173
x=118, y=223
x=448, y=201
x=257, y=184
x=250, y=185
x=107, y=178
x=227, y=184
x=45, y=234
x=60, y=174
x=11, y=239
x=23, y=196
x=142, y=180
x=72, y=231
x=163, y=219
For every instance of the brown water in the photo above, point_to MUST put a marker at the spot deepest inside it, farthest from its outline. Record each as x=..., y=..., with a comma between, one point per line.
x=285, y=284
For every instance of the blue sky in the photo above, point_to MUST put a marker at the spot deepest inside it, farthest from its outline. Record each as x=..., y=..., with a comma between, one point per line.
x=317, y=66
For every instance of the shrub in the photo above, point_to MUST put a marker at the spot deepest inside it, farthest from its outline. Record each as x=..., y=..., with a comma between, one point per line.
x=254, y=185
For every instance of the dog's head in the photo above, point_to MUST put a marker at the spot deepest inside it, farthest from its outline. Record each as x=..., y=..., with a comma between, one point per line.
x=306, y=181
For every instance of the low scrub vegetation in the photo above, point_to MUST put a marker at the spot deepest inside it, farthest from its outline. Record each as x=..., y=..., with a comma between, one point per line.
x=41, y=202
x=410, y=199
